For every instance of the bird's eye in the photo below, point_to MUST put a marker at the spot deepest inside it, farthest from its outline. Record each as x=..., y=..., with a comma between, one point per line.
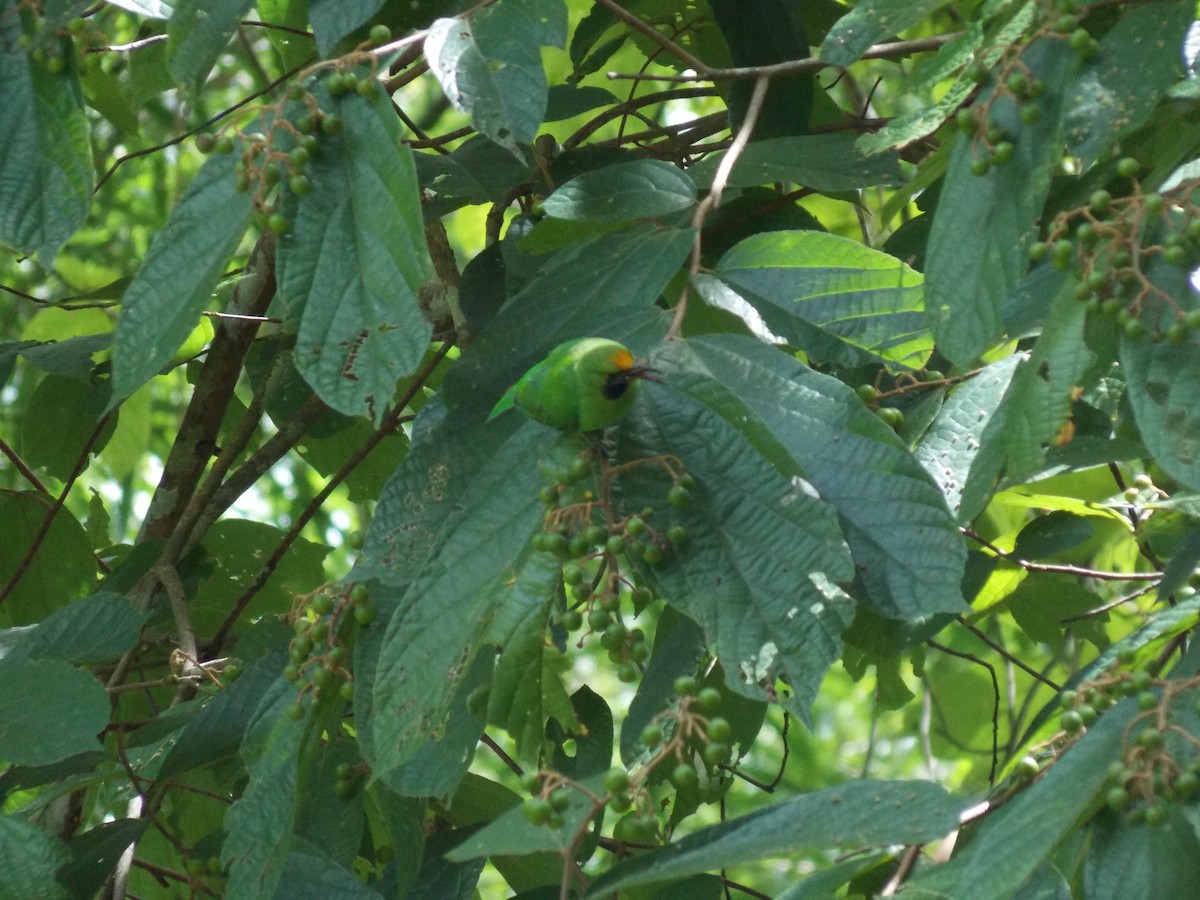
x=615, y=385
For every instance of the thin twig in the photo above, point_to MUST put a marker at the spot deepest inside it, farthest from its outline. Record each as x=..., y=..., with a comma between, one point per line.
x=1061, y=568
x=1024, y=667
x=22, y=467
x=724, y=169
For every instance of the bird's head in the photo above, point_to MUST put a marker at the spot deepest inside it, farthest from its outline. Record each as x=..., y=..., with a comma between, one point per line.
x=623, y=370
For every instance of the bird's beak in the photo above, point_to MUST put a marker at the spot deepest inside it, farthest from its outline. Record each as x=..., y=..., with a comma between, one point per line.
x=646, y=373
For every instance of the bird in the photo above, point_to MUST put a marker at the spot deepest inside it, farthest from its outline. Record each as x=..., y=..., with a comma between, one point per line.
x=586, y=384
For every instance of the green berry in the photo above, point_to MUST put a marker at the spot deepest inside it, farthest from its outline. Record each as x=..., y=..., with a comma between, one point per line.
x=346, y=691
x=531, y=782
x=595, y=534
x=364, y=615
x=642, y=595
x=1153, y=204
x=224, y=144
x=380, y=34
x=685, y=685
x=537, y=810
x=578, y=546
x=677, y=535
x=1027, y=767
x=867, y=393
x=1150, y=738
x=652, y=555
x=616, y=780
x=615, y=544
x=1128, y=167
x=1175, y=255
x=652, y=734
x=1037, y=87
x=965, y=120
x=980, y=165
x=572, y=574
x=1072, y=722
x=1187, y=784
x=614, y=636
x=1087, y=712
x=1134, y=329
x=367, y=86
x=331, y=123
x=1177, y=333
x=1117, y=799
x=1101, y=201
x=322, y=604
x=979, y=72
x=1038, y=251
x=890, y=415
x=295, y=712
x=1017, y=83
x=560, y=800
x=687, y=480
x=278, y=223
x=719, y=730
x=309, y=142
x=300, y=185
x=1003, y=152
x=232, y=672
x=597, y=620
x=1030, y=113
x=716, y=753
x=579, y=469
x=205, y=142
x=635, y=526
x=709, y=699
x=299, y=157
x=1061, y=253
x=679, y=496
x=572, y=620
x=627, y=673
x=1147, y=700
x=684, y=777
x=1156, y=815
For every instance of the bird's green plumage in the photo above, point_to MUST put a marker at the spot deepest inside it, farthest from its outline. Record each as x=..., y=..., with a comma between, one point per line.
x=585, y=384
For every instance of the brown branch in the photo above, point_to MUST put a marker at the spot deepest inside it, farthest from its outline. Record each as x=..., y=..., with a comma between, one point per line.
x=1061, y=568
x=52, y=512
x=591, y=127
x=970, y=657
x=22, y=467
x=714, y=198
x=1027, y=669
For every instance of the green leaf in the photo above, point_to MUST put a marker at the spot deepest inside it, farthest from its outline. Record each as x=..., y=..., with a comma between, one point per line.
x=526, y=689
x=870, y=22
x=237, y=550
x=1037, y=404
x=49, y=710
x=151, y=9
x=46, y=171
x=1014, y=839
x=32, y=857
x=604, y=287
x=983, y=225
x=853, y=815
x=954, y=438
x=295, y=49
x=1139, y=58
x=764, y=556
x=62, y=568
x=354, y=260
x=1163, y=381
x=566, y=101
x=68, y=411
x=332, y=20
x=906, y=547
x=641, y=189
x=90, y=630
x=489, y=65
x=828, y=163
x=478, y=171
x=450, y=525
x=309, y=874
x=219, y=728
x=197, y=33
x=831, y=296
x=94, y=855
x=186, y=260
x=258, y=824
x=1125, y=863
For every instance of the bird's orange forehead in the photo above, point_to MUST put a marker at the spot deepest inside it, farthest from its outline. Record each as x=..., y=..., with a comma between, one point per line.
x=622, y=359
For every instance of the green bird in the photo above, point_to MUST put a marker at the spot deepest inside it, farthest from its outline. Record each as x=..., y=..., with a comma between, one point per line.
x=585, y=384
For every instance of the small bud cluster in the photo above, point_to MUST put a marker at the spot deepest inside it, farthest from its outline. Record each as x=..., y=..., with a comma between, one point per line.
x=319, y=654
x=688, y=744
x=597, y=549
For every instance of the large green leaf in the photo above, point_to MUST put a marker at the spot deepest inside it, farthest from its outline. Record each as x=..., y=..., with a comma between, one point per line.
x=1035, y=408
x=869, y=22
x=954, y=438
x=186, y=260
x=99, y=627
x=605, y=286
x=906, y=547
x=1163, y=384
x=354, y=259
x=1016, y=837
x=1139, y=58
x=258, y=824
x=978, y=245
x=764, y=557
x=332, y=20
x=489, y=64
x=48, y=711
x=310, y=874
x=854, y=815
x=831, y=296
x=450, y=526
x=198, y=32
x=641, y=189
x=62, y=568
x=823, y=162
x=31, y=857
x=68, y=410
x=46, y=172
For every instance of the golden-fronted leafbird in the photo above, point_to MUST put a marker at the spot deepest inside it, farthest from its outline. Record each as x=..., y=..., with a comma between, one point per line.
x=585, y=384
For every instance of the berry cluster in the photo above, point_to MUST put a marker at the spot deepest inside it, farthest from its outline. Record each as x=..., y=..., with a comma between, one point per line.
x=687, y=746
x=324, y=634
x=595, y=556
x=1110, y=242
x=1016, y=82
x=1149, y=776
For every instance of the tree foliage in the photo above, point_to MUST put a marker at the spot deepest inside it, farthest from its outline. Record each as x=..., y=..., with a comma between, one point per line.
x=899, y=546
